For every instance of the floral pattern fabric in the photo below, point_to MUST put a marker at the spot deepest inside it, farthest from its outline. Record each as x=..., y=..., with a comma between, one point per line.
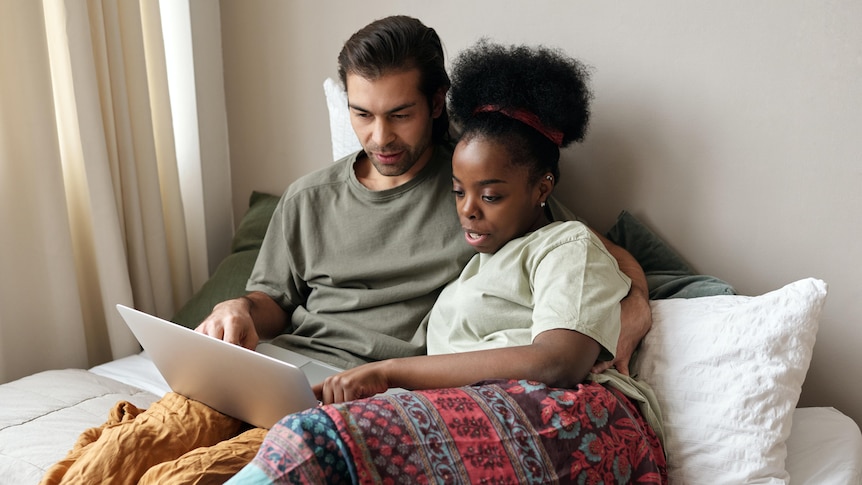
x=493, y=432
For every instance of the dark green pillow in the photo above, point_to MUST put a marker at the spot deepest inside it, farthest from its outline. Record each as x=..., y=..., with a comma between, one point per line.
x=667, y=274
x=232, y=273
x=252, y=227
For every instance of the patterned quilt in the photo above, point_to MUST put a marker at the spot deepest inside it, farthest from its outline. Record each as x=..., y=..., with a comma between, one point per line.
x=493, y=432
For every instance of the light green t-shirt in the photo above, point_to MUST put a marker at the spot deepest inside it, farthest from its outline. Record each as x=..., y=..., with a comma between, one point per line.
x=558, y=277
x=359, y=270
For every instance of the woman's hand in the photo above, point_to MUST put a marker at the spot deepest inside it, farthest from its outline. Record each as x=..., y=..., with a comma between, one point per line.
x=357, y=383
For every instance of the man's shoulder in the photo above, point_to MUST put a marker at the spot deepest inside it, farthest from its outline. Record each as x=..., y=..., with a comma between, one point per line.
x=326, y=178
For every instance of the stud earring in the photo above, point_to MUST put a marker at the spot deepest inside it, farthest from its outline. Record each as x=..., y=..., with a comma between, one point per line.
x=549, y=177
x=542, y=204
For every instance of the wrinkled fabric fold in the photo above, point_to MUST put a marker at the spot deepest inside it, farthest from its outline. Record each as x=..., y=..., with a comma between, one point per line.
x=176, y=440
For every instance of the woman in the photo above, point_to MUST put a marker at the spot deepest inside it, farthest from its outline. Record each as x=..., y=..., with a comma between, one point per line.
x=528, y=317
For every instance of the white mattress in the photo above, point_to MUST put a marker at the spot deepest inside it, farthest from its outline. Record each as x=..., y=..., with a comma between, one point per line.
x=42, y=415
x=825, y=446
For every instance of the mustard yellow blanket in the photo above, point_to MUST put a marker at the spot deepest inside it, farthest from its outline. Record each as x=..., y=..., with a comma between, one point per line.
x=176, y=440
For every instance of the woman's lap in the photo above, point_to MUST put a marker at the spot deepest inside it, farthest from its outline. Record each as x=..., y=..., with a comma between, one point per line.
x=502, y=431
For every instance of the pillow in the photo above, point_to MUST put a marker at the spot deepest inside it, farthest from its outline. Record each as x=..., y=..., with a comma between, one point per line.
x=249, y=234
x=344, y=141
x=727, y=372
x=229, y=279
x=667, y=275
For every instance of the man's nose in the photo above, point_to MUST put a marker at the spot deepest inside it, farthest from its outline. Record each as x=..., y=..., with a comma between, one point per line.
x=382, y=134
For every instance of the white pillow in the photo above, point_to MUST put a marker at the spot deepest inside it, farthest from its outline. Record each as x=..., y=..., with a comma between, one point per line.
x=344, y=141
x=727, y=372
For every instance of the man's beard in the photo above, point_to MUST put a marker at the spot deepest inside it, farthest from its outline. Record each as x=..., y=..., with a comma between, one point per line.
x=409, y=157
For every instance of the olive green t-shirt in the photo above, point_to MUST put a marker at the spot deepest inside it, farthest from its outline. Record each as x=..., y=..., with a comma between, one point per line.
x=358, y=270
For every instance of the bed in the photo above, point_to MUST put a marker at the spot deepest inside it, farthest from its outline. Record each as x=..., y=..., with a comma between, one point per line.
x=744, y=427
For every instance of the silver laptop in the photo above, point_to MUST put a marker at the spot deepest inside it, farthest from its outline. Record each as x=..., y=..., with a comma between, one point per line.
x=257, y=387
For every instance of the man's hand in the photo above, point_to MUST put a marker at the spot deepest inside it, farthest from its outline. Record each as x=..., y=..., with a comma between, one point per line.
x=231, y=321
x=636, y=320
x=356, y=383
x=635, y=312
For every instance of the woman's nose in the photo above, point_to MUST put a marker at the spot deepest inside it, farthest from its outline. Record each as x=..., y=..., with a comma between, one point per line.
x=468, y=209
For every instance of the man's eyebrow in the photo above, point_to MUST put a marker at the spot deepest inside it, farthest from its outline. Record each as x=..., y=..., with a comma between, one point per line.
x=393, y=110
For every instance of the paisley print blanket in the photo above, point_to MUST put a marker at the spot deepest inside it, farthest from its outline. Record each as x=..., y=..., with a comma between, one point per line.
x=492, y=432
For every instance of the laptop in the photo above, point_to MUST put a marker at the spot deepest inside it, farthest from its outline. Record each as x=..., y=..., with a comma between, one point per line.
x=259, y=387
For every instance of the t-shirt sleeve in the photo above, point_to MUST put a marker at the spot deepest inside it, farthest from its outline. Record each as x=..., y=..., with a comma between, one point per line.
x=577, y=285
x=273, y=271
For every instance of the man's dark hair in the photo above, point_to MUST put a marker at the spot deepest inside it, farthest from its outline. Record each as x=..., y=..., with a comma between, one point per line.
x=397, y=44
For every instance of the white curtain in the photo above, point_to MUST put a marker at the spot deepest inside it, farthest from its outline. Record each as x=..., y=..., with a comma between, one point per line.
x=91, y=213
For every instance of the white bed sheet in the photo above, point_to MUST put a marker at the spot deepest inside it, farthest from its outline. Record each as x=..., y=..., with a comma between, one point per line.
x=824, y=448
x=42, y=415
x=135, y=370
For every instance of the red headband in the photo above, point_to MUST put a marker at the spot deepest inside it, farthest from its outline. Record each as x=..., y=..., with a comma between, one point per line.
x=526, y=117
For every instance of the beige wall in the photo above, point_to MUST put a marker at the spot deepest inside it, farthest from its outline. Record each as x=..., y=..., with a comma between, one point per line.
x=733, y=128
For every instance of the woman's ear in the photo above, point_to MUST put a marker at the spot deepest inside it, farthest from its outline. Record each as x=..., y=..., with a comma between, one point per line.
x=546, y=186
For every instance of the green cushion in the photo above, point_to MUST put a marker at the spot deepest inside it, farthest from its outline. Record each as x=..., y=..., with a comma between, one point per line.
x=252, y=227
x=667, y=274
x=232, y=273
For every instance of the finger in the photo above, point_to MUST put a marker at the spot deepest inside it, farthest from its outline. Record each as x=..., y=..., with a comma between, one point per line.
x=233, y=335
x=209, y=329
x=317, y=389
x=330, y=392
x=602, y=366
x=250, y=341
x=340, y=395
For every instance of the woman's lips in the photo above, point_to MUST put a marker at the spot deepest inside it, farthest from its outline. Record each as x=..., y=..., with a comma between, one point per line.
x=474, y=238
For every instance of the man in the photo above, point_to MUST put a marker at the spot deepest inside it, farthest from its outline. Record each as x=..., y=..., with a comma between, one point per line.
x=357, y=253
x=352, y=263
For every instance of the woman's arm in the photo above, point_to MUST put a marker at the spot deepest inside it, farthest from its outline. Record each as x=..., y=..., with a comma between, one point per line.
x=559, y=358
x=635, y=313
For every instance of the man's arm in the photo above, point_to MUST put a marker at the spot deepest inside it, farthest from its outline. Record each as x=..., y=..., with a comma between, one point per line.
x=636, y=316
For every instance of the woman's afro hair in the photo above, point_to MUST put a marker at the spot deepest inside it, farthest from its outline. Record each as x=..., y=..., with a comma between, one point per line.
x=540, y=80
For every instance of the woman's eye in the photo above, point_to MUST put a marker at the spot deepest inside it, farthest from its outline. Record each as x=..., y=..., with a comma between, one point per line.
x=458, y=193
x=490, y=198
